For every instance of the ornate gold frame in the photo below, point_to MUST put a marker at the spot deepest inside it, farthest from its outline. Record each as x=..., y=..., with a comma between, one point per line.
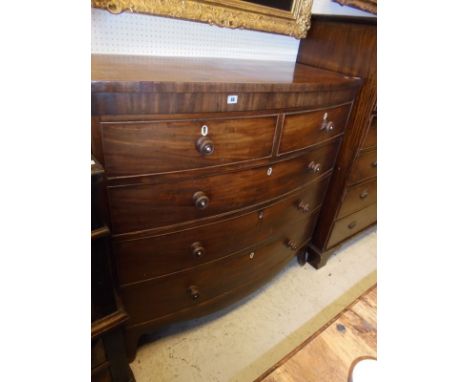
x=225, y=13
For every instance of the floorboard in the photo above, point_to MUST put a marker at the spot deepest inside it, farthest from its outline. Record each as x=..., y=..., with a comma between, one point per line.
x=330, y=353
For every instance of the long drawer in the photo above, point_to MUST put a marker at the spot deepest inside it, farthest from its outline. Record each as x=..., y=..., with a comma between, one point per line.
x=358, y=197
x=349, y=225
x=364, y=167
x=305, y=129
x=168, y=294
x=145, y=206
x=132, y=148
x=149, y=257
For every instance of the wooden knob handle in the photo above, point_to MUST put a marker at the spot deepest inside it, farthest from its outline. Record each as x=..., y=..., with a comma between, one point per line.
x=328, y=126
x=291, y=244
x=205, y=146
x=352, y=225
x=303, y=206
x=193, y=292
x=374, y=164
x=197, y=249
x=313, y=167
x=364, y=194
x=201, y=200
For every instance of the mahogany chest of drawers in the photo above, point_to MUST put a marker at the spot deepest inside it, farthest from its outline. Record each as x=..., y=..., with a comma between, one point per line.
x=216, y=171
x=347, y=45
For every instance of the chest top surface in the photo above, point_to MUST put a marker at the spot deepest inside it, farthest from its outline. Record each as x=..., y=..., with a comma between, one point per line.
x=126, y=73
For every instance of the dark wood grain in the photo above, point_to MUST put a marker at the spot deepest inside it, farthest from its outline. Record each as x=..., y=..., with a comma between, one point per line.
x=134, y=332
x=195, y=229
x=351, y=224
x=142, y=207
x=370, y=138
x=207, y=102
x=170, y=294
x=155, y=147
x=126, y=74
x=124, y=85
x=304, y=129
x=348, y=46
x=158, y=255
x=364, y=167
x=358, y=197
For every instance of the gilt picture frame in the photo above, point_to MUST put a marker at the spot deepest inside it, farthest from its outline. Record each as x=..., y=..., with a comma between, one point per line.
x=292, y=19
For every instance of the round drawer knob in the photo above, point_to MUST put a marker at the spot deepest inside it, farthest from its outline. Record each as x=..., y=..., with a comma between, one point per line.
x=303, y=206
x=193, y=292
x=201, y=200
x=352, y=225
x=197, y=249
x=364, y=194
x=291, y=244
x=374, y=164
x=329, y=126
x=205, y=146
x=313, y=167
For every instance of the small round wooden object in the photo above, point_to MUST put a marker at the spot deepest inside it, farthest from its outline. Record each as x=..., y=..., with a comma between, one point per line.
x=201, y=200
x=193, y=292
x=205, y=146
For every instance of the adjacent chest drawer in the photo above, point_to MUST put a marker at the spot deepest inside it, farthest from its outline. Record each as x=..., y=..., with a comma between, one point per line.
x=163, y=203
x=305, y=129
x=364, y=167
x=145, y=258
x=358, y=197
x=184, y=290
x=157, y=147
x=371, y=136
x=352, y=224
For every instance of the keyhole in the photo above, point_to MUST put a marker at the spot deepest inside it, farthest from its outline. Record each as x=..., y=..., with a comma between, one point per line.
x=204, y=130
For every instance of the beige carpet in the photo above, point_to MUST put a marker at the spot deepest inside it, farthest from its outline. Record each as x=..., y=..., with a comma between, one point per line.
x=241, y=342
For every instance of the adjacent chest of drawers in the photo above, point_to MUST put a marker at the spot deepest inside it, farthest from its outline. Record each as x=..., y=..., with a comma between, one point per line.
x=351, y=203
x=108, y=353
x=216, y=173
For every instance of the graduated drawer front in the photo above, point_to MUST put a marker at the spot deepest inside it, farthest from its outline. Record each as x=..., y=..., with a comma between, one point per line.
x=305, y=129
x=142, y=259
x=358, y=197
x=169, y=294
x=365, y=166
x=155, y=147
x=349, y=225
x=371, y=136
x=141, y=207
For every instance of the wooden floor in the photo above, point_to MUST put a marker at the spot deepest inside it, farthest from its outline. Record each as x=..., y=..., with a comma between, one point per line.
x=330, y=354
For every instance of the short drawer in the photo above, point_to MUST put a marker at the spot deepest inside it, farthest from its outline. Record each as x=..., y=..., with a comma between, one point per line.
x=169, y=294
x=358, y=197
x=132, y=148
x=365, y=166
x=370, y=140
x=348, y=226
x=149, y=257
x=302, y=130
x=164, y=203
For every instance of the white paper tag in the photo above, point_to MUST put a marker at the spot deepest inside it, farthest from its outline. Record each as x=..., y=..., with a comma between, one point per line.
x=232, y=99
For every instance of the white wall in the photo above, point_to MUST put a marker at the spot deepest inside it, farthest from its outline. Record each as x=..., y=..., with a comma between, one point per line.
x=130, y=33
